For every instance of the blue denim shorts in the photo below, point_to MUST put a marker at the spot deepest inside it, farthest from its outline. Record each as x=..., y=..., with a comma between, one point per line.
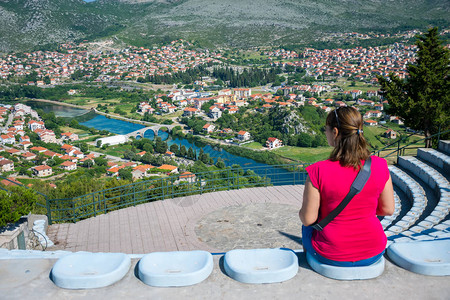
x=307, y=232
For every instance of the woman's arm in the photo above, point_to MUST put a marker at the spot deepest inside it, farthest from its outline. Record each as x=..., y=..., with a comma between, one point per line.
x=386, y=202
x=311, y=203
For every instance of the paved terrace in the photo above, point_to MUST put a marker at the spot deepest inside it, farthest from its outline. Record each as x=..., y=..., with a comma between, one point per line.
x=215, y=222
x=248, y=218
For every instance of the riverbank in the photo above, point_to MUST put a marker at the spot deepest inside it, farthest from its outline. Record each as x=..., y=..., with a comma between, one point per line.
x=261, y=156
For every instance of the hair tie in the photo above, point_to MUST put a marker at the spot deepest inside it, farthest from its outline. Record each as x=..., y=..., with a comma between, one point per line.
x=359, y=131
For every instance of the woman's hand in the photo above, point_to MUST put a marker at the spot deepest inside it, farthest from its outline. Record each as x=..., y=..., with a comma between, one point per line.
x=311, y=203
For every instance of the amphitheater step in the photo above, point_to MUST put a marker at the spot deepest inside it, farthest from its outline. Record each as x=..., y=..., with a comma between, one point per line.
x=444, y=147
x=436, y=158
x=419, y=179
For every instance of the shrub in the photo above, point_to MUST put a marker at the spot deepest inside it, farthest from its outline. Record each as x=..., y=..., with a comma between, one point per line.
x=16, y=202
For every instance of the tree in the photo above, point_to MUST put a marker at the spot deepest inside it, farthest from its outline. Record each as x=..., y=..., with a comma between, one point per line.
x=174, y=149
x=220, y=164
x=100, y=161
x=422, y=99
x=147, y=158
x=190, y=153
x=148, y=147
x=125, y=174
x=84, y=147
x=160, y=146
x=183, y=151
x=88, y=163
x=16, y=202
x=129, y=154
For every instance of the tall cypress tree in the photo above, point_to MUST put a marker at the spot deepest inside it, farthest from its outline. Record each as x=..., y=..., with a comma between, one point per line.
x=422, y=99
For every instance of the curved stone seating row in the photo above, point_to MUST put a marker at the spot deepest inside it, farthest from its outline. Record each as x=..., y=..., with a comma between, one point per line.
x=414, y=193
x=437, y=182
x=444, y=147
x=387, y=220
x=435, y=158
x=426, y=173
x=419, y=233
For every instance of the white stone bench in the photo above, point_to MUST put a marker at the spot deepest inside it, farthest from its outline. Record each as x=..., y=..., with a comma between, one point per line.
x=435, y=158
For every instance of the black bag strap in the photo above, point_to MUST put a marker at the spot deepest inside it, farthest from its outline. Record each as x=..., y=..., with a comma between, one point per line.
x=356, y=187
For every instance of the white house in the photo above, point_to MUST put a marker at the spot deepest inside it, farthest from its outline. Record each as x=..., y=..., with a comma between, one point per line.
x=42, y=170
x=243, y=135
x=370, y=123
x=208, y=128
x=373, y=114
x=6, y=165
x=33, y=125
x=242, y=93
x=189, y=111
x=68, y=166
x=7, y=139
x=272, y=143
x=215, y=113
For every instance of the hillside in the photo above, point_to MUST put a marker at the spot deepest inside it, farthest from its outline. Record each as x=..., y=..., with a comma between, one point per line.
x=27, y=23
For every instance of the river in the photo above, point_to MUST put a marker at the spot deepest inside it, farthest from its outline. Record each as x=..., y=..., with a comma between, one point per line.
x=123, y=127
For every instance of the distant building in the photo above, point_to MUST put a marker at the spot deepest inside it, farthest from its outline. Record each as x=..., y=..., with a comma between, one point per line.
x=187, y=176
x=113, y=140
x=208, y=128
x=243, y=135
x=68, y=166
x=273, y=143
x=215, y=113
x=370, y=123
x=42, y=170
x=390, y=134
x=6, y=165
x=189, y=111
x=69, y=136
x=170, y=168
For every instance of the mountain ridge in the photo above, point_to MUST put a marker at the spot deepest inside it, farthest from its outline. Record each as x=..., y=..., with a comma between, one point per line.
x=30, y=23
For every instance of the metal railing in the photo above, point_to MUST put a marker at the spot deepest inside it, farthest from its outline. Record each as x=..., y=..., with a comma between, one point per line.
x=398, y=150
x=107, y=200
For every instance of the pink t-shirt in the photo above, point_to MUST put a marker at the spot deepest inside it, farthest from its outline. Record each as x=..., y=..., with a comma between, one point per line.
x=356, y=233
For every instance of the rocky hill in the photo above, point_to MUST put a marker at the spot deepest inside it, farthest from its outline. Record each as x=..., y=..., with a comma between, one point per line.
x=25, y=24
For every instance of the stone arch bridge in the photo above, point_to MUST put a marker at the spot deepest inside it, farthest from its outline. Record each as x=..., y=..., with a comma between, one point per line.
x=154, y=128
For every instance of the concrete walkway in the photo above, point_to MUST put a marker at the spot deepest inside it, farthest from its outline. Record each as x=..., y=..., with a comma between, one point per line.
x=215, y=222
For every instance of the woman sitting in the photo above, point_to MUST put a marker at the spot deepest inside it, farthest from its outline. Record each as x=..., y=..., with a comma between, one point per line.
x=354, y=237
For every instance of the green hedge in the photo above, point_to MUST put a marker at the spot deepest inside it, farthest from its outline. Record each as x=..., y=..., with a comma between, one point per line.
x=16, y=202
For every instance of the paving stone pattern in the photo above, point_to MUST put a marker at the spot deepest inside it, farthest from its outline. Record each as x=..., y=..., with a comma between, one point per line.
x=190, y=223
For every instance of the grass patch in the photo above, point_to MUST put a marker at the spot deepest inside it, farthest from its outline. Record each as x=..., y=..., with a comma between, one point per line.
x=308, y=155
x=117, y=150
x=253, y=145
x=176, y=114
x=346, y=85
x=371, y=133
x=73, y=130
